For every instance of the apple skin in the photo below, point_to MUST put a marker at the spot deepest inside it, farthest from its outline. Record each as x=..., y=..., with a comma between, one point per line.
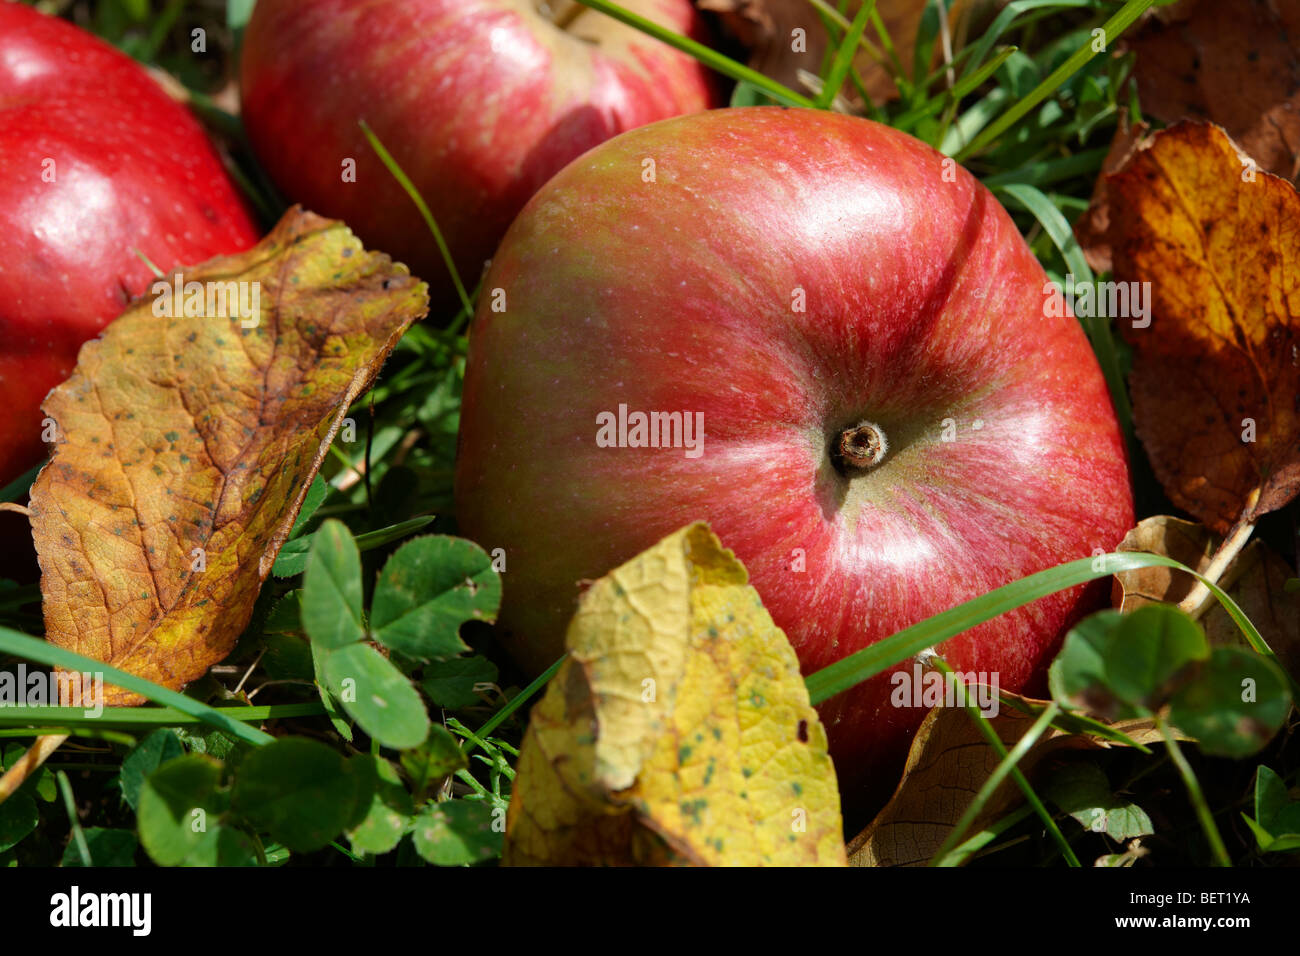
x=132, y=169
x=477, y=130
x=923, y=304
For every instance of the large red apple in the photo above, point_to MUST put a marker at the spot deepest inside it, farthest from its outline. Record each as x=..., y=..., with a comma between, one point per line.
x=783, y=277
x=479, y=101
x=97, y=164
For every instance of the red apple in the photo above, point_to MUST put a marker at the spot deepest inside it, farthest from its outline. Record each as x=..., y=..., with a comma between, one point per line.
x=96, y=162
x=788, y=275
x=479, y=101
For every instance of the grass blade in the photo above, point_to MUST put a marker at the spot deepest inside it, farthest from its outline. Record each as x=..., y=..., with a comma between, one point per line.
x=1004, y=20
x=1113, y=27
x=518, y=700
x=1008, y=766
x=962, y=88
x=43, y=652
x=1203, y=814
x=405, y=182
x=66, y=718
x=70, y=805
x=982, y=839
x=843, y=61
x=1048, y=171
x=870, y=661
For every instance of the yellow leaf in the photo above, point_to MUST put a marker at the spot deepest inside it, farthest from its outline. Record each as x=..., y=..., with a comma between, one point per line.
x=678, y=729
x=185, y=445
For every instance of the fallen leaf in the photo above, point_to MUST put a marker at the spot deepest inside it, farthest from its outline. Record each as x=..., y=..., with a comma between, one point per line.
x=677, y=731
x=1234, y=64
x=948, y=763
x=1260, y=590
x=1216, y=373
x=1186, y=541
x=1256, y=580
x=187, y=444
x=766, y=28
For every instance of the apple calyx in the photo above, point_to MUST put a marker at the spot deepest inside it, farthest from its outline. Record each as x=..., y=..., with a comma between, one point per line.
x=861, y=447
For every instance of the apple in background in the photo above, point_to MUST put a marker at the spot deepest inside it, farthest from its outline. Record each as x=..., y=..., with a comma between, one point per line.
x=95, y=161
x=479, y=101
x=891, y=424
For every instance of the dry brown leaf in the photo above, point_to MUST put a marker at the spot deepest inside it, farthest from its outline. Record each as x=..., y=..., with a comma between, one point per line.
x=1186, y=541
x=1256, y=580
x=766, y=29
x=186, y=445
x=1260, y=590
x=1236, y=64
x=1218, y=363
x=948, y=763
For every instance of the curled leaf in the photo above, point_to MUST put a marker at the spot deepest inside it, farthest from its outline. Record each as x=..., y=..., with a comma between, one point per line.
x=186, y=444
x=678, y=730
